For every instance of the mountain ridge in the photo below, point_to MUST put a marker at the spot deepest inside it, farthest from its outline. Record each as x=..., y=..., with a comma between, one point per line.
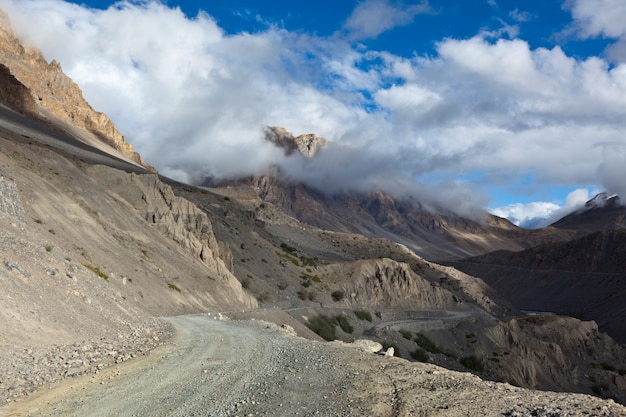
x=95, y=247
x=50, y=95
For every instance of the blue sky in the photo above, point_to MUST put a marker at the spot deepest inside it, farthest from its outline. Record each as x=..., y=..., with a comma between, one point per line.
x=513, y=106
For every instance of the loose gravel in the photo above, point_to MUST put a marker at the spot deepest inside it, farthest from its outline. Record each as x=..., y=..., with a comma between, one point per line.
x=252, y=368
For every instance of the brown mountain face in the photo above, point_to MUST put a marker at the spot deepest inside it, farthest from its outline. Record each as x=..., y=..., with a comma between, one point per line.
x=33, y=86
x=93, y=249
x=584, y=277
x=441, y=235
x=603, y=212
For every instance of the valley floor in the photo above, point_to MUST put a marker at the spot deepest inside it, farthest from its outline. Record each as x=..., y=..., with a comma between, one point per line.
x=219, y=368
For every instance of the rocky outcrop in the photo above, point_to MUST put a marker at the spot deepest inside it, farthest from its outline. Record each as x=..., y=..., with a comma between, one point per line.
x=14, y=94
x=183, y=222
x=384, y=282
x=308, y=144
x=45, y=90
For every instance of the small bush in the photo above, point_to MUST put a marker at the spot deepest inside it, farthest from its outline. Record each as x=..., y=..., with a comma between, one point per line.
x=96, y=270
x=473, y=363
x=419, y=355
x=287, y=248
x=306, y=295
x=363, y=315
x=245, y=283
x=282, y=285
x=427, y=344
x=324, y=326
x=337, y=295
x=173, y=287
x=406, y=334
x=49, y=248
x=345, y=325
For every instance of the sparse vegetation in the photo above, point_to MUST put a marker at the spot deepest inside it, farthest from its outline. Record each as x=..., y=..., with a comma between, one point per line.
x=324, y=326
x=309, y=277
x=337, y=295
x=363, y=315
x=173, y=287
x=287, y=248
x=245, y=283
x=306, y=295
x=49, y=248
x=38, y=221
x=473, y=363
x=96, y=270
x=282, y=285
x=406, y=334
x=343, y=322
x=419, y=355
x=427, y=344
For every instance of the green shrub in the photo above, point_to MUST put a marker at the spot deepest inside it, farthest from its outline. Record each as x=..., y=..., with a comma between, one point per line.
x=173, y=287
x=324, y=326
x=406, y=334
x=345, y=325
x=473, y=363
x=337, y=295
x=427, y=344
x=287, y=248
x=49, y=248
x=96, y=270
x=363, y=315
x=419, y=355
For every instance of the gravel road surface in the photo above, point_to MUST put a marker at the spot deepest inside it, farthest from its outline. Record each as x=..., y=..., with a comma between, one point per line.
x=252, y=368
x=212, y=368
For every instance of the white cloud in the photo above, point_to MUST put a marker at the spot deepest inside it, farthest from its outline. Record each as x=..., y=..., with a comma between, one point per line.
x=193, y=100
x=542, y=213
x=606, y=18
x=599, y=17
x=373, y=17
x=520, y=16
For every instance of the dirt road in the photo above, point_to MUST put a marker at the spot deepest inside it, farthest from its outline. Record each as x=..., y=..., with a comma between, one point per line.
x=212, y=368
x=250, y=368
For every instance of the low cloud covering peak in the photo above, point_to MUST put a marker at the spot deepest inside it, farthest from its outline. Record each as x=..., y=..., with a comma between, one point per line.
x=194, y=100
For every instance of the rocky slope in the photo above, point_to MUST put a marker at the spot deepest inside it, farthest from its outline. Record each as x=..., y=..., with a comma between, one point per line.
x=41, y=89
x=583, y=277
x=104, y=247
x=440, y=235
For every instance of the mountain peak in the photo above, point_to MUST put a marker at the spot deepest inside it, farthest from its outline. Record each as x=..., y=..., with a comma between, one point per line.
x=602, y=200
x=307, y=144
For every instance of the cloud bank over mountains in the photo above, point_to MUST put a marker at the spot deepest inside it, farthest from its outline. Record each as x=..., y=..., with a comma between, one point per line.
x=193, y=99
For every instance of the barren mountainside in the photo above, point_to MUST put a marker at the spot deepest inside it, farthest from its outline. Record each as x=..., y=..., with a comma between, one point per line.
x=95, y=250
x=47, y=93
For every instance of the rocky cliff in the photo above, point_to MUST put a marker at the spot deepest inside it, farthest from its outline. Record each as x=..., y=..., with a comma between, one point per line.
x=54, y=97
x=308, y=144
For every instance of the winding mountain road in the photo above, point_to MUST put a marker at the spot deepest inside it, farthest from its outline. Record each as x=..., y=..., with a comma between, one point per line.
x=252, y=368
x=212, y=368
